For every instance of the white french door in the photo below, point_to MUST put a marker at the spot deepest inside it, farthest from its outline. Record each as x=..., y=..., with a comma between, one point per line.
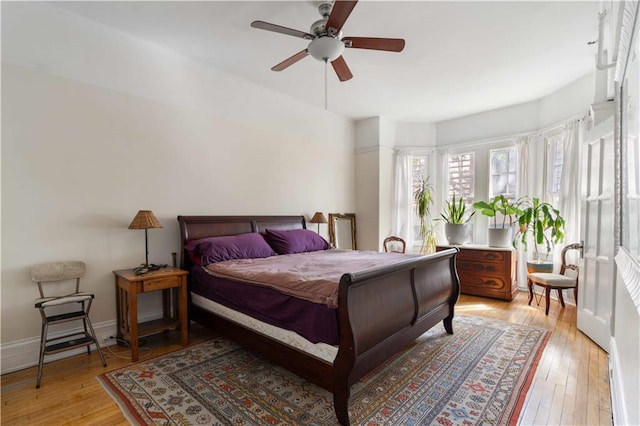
x=597, y=272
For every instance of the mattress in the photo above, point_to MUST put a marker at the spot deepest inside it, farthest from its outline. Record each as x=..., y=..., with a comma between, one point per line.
x=316, y=322
x=322, y=351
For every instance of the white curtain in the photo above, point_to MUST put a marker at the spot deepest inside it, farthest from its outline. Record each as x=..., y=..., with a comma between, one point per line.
x=402, y=214
x=522, y=189
x=522, y=146
x=442, y=189
x=569, y=203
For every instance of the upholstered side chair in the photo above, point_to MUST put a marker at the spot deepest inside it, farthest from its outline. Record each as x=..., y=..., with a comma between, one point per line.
x=394, y=244
x=567, y=278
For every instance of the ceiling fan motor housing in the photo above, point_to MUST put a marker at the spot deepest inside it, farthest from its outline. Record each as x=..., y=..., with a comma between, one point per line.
x=318, y=27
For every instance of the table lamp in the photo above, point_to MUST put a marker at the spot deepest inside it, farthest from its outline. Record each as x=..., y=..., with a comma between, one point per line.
x=318, y=218
x=145, y=219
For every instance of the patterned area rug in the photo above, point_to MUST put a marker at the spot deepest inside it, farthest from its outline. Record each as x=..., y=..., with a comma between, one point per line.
x=478, y=375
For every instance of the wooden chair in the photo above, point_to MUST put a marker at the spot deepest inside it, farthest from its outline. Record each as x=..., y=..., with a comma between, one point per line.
x=56, y=272
x=559, y=282
x=391, y=243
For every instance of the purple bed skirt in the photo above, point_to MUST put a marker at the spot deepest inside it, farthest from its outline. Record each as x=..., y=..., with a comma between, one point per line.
x=313, y=321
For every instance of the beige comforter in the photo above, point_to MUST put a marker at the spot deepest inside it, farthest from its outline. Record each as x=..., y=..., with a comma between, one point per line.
x=312, y=276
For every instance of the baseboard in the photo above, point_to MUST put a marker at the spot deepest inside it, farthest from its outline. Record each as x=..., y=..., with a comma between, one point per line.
x=618, y=407
x=23, y=354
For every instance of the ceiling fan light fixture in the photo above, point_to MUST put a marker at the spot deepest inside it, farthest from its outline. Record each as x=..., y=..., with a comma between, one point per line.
x=326, y=48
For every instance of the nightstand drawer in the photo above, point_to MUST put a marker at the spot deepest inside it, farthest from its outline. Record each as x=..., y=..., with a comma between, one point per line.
x=160, y=283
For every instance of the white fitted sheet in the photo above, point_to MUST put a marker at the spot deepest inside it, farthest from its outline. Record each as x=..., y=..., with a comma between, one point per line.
x=320, y=350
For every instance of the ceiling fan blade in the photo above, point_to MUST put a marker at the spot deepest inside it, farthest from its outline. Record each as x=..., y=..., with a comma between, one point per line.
x=339, y=14
x=373, y=43
x=342, y=69
x=282, y=30
x=290, y=61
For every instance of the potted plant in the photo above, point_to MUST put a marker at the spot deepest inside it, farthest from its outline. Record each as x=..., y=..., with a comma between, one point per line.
x=423, y=197
x=455, y=217
x=500, y=235
x=543, y=223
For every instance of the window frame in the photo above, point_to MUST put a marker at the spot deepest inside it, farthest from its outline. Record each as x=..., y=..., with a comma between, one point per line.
x=469, y=197
x=550, y=143
x=511, y=145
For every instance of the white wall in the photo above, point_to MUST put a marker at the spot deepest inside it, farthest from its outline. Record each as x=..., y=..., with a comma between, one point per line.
x=489, y=124
x=367, y=194
x=411, y=135
x=567, y=102
x=386, y=194
x=574, y=98
x=96, y=126
x=374, y=180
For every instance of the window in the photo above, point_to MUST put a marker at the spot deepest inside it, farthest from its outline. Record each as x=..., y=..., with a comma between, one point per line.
x=461, y=173
x=503, y=172
x=419, y=165
x=419, y=172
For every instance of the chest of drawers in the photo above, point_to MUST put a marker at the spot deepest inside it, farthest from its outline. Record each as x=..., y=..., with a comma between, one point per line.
x=486, y=271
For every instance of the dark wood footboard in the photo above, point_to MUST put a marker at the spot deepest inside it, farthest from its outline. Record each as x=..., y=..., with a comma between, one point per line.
x=380, y=311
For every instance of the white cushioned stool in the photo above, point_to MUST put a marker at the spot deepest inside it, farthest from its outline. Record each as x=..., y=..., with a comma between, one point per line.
x=45, y=273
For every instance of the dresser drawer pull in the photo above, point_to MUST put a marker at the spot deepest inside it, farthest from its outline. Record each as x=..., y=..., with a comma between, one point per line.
x=486, y=283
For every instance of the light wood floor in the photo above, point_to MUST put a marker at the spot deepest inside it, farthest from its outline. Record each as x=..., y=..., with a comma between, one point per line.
x=570, y=387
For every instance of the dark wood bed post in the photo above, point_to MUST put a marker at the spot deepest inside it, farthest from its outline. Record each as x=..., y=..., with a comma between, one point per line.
x=448, y=321
x=345, y=358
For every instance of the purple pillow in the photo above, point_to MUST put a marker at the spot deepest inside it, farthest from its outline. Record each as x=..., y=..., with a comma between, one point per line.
x=217, y=249
x=295, y=241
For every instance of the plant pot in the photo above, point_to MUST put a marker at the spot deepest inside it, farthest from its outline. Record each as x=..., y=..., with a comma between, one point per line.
x=456, y=233
x=500, y=237
x=539, y=266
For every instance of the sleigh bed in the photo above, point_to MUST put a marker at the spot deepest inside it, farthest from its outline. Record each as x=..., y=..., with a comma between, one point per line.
x=379, y=310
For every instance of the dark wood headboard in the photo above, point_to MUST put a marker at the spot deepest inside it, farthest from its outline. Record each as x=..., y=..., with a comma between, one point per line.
x=197, y=227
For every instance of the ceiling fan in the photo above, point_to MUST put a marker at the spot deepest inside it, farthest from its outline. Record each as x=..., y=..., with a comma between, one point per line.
x=327, y=43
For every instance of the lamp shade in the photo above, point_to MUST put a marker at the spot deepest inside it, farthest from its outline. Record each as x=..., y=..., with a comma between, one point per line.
x=318, y=218
x=145, y=219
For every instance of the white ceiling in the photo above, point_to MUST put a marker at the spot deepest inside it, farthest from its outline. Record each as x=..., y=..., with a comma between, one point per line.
x=461, y=57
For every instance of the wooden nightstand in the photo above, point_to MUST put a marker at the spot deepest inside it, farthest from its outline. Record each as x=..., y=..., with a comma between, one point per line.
x=172, y=282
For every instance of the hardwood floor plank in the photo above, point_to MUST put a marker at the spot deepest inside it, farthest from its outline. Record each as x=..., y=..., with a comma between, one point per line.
x=534, y=398
x=568, y=408
x=546, y=401
x=570, y=387
x=557, y=405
